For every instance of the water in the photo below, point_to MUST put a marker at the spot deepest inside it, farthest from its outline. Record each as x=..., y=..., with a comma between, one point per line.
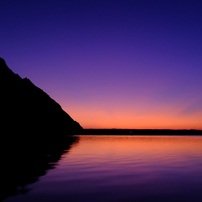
x=123, y=168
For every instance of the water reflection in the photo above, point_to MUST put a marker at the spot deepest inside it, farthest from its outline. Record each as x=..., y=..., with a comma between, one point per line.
x=23, y=164
x=125, y=168
x=143, y=168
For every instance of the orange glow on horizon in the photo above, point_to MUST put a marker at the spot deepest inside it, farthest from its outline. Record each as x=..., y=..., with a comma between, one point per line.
x=101, y=119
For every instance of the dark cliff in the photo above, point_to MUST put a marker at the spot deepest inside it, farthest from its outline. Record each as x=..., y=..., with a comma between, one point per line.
x=34, y=129
x=27, y=109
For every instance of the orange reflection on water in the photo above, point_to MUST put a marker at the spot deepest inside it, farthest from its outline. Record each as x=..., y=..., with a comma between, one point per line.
x=131, y=168
x=148, y=149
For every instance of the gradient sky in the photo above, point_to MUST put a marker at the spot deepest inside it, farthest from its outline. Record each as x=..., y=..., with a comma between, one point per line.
x=110, y=63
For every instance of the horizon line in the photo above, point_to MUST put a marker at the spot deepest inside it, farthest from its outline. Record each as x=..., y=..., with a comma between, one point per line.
x=136, y=129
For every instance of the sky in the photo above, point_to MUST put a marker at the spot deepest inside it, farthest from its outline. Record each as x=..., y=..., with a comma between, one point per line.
x=110, y=63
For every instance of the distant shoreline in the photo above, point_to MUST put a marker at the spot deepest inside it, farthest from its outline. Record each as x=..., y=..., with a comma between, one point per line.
x=139, y=132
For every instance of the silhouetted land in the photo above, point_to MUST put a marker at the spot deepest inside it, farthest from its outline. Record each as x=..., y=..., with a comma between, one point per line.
x=139, y=132
x=26, y=108
x=35, y=132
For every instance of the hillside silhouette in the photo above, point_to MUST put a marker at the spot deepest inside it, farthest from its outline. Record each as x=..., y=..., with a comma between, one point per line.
x=26, y=109
x=35, y=132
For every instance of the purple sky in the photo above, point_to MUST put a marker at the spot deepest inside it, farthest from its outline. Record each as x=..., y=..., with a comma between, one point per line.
x=110, y=63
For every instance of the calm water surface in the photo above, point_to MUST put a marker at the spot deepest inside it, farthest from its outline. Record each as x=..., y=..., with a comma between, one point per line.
x=124, y=168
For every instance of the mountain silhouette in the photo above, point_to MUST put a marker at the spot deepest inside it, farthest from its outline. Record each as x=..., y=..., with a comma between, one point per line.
x=26, y=109
x=35, y=132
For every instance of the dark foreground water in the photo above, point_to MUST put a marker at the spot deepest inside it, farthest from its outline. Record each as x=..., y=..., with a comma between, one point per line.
x=123, y=168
